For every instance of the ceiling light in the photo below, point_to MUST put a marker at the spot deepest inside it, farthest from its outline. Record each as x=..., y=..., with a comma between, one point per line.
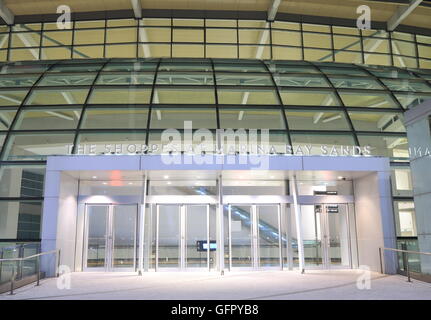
x=166, y=177
x=105, y=183
x=169, y=182
x=94, y=177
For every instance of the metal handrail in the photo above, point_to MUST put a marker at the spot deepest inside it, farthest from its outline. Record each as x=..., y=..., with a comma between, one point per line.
x=14, y=272
x=21, y=245
x=30, y=257
x=405, y=254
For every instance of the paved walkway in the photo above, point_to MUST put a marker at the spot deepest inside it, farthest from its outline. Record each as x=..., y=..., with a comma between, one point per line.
x=339, y=284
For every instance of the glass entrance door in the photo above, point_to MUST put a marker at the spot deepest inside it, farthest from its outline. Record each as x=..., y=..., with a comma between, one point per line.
x=184, y=239
x=255, y=238
x=326, y=235
x=110, y=237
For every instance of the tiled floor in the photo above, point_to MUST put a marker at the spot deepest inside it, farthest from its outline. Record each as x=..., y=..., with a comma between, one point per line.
x=318, y=284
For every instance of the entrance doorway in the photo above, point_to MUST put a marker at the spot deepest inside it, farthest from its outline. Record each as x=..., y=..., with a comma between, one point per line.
x=255, y=238
x=326, y=235
x=185, y=237
x=110, y=237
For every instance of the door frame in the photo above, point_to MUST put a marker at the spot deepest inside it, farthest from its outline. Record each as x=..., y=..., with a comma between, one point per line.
x=183, y=216
x=254, y=241
x=109, y=238
x=325, y=236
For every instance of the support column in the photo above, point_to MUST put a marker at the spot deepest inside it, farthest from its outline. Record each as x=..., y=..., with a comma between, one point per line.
x=220, y=226
x=142, y=228
x=297, y=209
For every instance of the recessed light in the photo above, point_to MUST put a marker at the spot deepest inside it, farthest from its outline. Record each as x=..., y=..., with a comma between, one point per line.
x=341, y=178
x=169, y=182
x=166, y=177
x=130, y=183
x=105, y=183
x=94, y=177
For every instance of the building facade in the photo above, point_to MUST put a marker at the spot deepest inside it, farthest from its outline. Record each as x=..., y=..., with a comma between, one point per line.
x=209, y=140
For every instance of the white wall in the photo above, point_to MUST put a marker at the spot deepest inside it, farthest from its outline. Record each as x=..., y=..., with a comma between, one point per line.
x=59, y=219
x=374, y=220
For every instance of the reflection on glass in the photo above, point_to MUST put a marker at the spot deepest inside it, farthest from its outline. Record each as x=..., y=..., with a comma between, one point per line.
x=268, y=236
x=338, y=234
x=311, y=232
x=169, y=236
x=241, y=236
x=124, y=229
x=196, y=230
x=96, y=240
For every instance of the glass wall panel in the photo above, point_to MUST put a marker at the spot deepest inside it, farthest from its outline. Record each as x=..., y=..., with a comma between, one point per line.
x=169, y=236
x=18, y=80
x=317, y=120
x=241, y=236
x=243, y=79
x=123, y=95
x=303, y=97
x=402, y=184
x=251, y=118
x=57, y=97
x=165, y=95
x=355, y=83
x=367, y=99
x=20, y=220
x=166, y=118
x=377, y=121
x=36, y=146
x=48, y=118
x=407, y=85
x=125, y=79
x=268, y=235
x=296, y=80
x=410, y=100
x=115, y=118
x=244, y=96
x=124, y=236
x=179, y=78
x=386, y=146
x=6, y=118
x=2, y=139
x=67, y=79
x=56, y=38
x=22, y=181
x=291, y=38
x=405, y=218
x=312, y=234
x=12, y=97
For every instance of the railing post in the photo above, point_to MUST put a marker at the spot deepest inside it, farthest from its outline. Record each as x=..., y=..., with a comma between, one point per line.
x=12, y=280
x=38, y=270
x=1, y=262
x=406, y=261
x=58, y=264
x=381, y=260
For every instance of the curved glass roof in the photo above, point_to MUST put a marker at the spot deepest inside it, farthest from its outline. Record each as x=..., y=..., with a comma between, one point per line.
x=60, y=107
x=217, y=38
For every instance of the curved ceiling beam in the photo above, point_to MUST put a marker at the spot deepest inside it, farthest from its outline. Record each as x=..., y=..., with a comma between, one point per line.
x=401, y=14
x=6, y=14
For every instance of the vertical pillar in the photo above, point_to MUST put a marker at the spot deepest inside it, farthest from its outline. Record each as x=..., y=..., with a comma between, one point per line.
x=297, y=209
x=220, y=226
x=142, y=228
